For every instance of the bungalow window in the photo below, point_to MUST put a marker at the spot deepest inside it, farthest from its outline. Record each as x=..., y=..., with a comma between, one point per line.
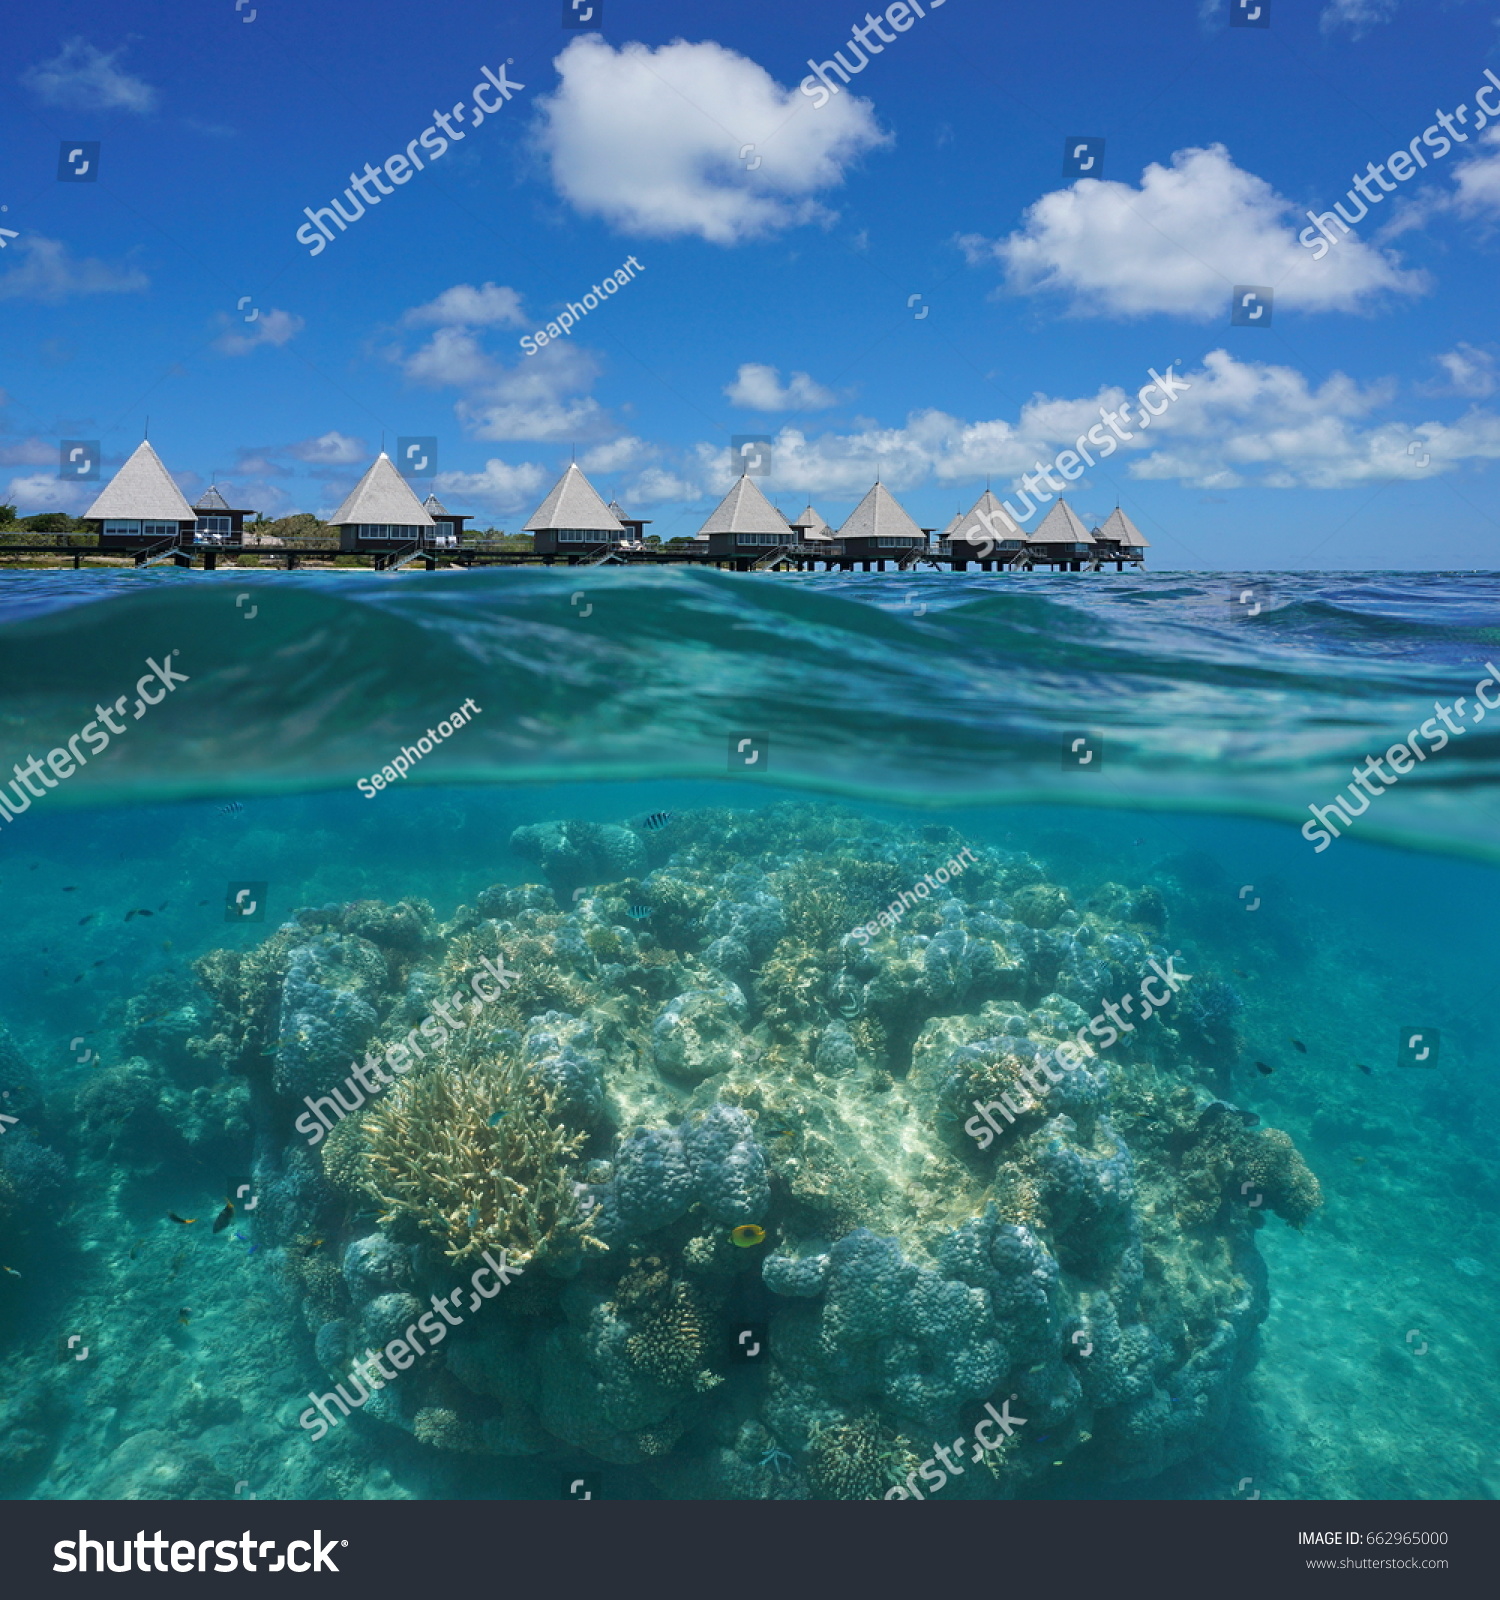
x=895, y=544
x=387, y=530
x=215, y=530
x=584, y=536
x=762, y=538
x=120, y=530
x=159, y=530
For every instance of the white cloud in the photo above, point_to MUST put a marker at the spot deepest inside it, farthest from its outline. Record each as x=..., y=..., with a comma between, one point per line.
x=651, y=140
x=1469, y=372
x=85, y=78
x=1359, y=16
x=270, y=327
x=31, y=452
x=1180, y=242
x=759, y=388
x=1235, y=424
x=618, y=455
x=1478, y=179
x=501, y=488
x=45, y=491
x=451, y=358
x=538, y=399
x=331, y=449
x=46, y=271
x=464, y=306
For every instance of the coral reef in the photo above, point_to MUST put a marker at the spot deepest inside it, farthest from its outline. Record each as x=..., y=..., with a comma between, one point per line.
x=473, y=1154
x=729, y=1054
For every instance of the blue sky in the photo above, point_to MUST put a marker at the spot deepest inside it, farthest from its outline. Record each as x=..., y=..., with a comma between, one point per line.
x=1359, y=429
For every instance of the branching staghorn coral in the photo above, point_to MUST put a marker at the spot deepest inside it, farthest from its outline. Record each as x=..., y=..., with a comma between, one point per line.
x=472, y=1151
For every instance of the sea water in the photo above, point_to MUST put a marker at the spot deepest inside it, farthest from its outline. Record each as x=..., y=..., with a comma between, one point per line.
x=1247, y=1246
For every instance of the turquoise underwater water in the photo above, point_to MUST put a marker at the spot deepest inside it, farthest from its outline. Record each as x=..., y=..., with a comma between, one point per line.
x=693, y=1009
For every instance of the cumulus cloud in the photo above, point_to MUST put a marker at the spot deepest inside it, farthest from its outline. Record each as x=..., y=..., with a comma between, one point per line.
x=331, y=449
x=759, y=388
x=1179, y=243
x=270, y=327
x=1467, y=371
x=500, y=488
x=1235, y=424
x=47, y=271
x=463, y=306
x=82, y=77
x=45, y=491
x=1477, y=180
x=542, y=397
x=651, y=140
x=618, y=455
x=29, y=452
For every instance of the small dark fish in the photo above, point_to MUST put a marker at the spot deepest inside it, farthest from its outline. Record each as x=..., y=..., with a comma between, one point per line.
x=70, y=888
x=79, y=978
x=638, y=911
x=88, y=918
x=187, y=1222
x=225, y=1217
x=98, y=963
x=1299, y=1046
x=144, y=913
x=135, y=1249
x=184, y=1313
x=1260, y=1066
x=1364, y=1069
x=161, y=907
x=230, y=809
x=658, y=819
x=203, y=902
x=1238, y=973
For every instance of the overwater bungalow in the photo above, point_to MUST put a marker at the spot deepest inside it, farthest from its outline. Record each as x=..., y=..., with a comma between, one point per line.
x=745, y=524
x=141, y=507
x=573, y=520
x=879, y=529
x=381, y=514
x=1118, y=539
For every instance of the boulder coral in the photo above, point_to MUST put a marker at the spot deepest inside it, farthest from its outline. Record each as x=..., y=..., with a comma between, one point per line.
x=693, y=1040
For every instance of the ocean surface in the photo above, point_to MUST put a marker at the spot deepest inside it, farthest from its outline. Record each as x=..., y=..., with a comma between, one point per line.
x=792, y=1118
